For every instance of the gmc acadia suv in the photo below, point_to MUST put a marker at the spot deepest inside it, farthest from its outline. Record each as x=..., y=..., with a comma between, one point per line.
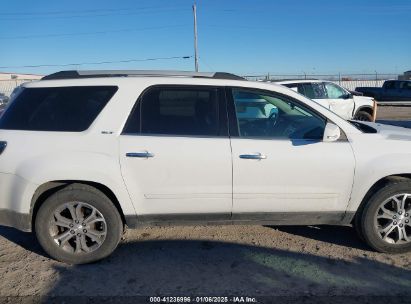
x=85, y=154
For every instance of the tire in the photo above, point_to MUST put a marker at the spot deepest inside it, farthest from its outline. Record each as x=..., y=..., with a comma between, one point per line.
x=95, y=211
x=363, y=116
x=368, y=225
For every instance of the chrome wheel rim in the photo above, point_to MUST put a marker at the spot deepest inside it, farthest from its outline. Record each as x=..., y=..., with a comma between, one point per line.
x=78, y=227
x=393, y=219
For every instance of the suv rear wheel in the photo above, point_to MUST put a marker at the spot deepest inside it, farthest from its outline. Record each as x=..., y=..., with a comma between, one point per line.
x=78, y=225
x=385, y=221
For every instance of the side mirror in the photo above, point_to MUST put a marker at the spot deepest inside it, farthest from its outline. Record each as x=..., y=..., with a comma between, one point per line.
x=331, y=133
x=347, y=96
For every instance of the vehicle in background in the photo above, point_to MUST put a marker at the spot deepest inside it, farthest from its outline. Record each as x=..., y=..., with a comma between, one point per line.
x=392, y=90
x=3, y=99
x=348, y=105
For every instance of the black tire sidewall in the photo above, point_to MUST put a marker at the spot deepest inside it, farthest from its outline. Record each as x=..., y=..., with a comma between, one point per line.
x=92, y=197
x=363, y=113
x=370, y=233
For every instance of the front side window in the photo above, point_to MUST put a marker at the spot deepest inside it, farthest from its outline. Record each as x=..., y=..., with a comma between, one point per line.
x=334, y=91
x=64, y=109
x=315, y=90
x=389, y=85
x=176, y=111
x=261, y=114
x=298, y=87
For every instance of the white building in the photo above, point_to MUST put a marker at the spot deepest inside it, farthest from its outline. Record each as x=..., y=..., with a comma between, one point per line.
x=12, y=76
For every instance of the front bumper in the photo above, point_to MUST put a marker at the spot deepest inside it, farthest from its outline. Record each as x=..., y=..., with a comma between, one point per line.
x=15, y=201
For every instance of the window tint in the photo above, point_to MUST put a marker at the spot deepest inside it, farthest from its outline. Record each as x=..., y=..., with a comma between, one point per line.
x=314, y=90
x=67, y=109
x=405, y=85
x=266, y=115
x=389, y=85
x=176, y=111
x=298, y=87
x=334, y=91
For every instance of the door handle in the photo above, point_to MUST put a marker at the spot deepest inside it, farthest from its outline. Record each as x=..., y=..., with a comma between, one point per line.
x=144, y=154
x=253, y=156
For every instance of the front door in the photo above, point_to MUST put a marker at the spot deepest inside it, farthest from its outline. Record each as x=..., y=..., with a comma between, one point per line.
x=340, y=101
x=175, y=154
x=280, y=163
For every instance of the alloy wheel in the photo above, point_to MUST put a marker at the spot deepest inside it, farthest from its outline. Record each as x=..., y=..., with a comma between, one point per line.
x=77, y=227
x=393, y=219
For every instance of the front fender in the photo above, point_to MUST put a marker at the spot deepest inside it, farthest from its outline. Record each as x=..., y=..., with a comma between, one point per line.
x=369, y=172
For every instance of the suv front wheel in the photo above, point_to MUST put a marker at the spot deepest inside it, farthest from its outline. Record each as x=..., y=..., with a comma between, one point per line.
x=385, y=221
x=78, y=224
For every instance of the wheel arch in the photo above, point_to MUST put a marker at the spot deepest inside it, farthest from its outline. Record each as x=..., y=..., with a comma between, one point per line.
x=47, y=189
x=377, y=186
x=367, y=109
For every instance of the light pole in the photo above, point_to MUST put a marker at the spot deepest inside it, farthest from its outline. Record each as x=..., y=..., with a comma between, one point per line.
x=195, y=37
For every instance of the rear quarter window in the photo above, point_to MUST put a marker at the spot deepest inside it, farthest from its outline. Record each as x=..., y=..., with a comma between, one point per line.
x=64, y=109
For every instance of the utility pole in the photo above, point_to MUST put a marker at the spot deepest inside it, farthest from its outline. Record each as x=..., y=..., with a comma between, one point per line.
x=195, y=37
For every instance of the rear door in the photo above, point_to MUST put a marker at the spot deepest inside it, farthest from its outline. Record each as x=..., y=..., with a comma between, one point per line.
x=341, y=102
x=175, y=154
x=406, y=91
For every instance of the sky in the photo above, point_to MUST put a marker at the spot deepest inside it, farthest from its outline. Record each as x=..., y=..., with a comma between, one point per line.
x=244, y=37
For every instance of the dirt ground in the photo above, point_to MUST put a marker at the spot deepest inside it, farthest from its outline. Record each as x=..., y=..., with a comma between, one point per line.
x=324, y=261
x=217, y=260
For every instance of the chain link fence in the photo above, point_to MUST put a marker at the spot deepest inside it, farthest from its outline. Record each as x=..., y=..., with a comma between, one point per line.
x=7, y=86
x=349, y=81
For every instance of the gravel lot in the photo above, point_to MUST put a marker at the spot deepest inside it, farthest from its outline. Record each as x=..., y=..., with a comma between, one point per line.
x=217, y=260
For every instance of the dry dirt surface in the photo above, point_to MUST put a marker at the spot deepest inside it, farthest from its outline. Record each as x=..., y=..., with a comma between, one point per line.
x=324, y=262
x=394, y=112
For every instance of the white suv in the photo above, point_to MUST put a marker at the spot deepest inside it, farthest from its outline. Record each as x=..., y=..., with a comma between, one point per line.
x=336, y=98
x=84, y=154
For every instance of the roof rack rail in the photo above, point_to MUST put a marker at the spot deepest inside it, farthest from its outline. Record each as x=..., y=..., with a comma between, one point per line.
x=73, y=74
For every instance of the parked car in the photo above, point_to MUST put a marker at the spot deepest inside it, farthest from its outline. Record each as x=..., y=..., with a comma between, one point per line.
x=349, y=105
x=3, y=99
x=392, y=90
x=85, y=154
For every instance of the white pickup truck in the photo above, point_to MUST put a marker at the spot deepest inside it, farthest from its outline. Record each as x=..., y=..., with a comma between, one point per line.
x=335, y=98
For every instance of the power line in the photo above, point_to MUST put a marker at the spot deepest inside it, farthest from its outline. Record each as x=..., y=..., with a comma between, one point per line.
x=90, y=33
x=85, y=11
x=92, y=63
x=87, y=15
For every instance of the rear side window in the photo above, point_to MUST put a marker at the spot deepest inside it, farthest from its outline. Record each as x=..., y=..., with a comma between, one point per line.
x=176, y=111
x=64, y=109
